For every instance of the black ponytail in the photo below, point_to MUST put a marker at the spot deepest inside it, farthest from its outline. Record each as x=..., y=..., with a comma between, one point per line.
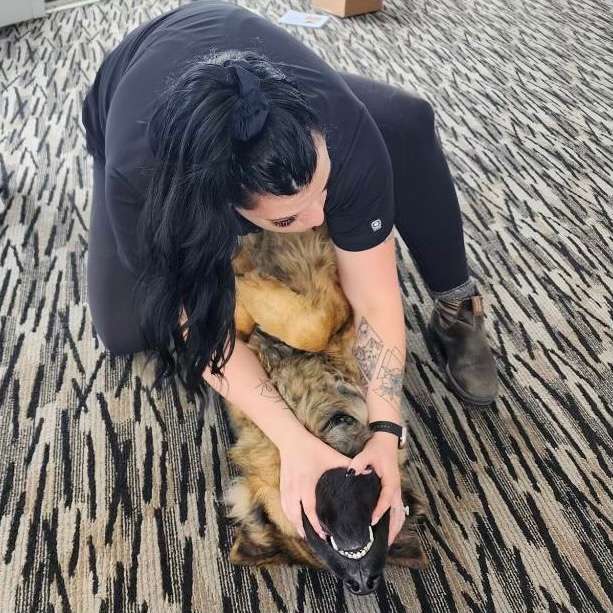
x=231, y=126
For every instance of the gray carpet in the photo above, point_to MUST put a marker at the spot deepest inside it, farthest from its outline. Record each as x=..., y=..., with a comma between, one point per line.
x=111, y=494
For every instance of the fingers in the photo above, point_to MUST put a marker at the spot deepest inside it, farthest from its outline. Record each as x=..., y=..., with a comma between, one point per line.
x=383, y=504
x=290, y=503
x=308, y=505
x=397, y=517
x=360, y=464
x=292, y=507
x=298, y=481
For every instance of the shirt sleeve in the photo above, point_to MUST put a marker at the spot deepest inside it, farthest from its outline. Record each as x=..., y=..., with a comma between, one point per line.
x=360, y=214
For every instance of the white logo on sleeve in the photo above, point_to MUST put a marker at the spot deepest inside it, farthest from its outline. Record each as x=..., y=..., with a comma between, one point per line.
x=376, y=225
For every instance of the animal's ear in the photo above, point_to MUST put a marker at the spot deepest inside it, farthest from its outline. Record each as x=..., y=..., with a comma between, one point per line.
x=406, y=550
x=346, y=388
x=252, y=550
x=271, y=351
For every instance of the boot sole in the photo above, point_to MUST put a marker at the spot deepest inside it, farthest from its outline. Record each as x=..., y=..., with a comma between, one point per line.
x=437, y=350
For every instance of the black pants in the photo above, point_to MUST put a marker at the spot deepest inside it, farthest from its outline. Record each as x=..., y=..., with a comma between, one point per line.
x=427, y=214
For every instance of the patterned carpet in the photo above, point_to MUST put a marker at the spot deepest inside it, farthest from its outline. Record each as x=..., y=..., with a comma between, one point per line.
x=111, y=494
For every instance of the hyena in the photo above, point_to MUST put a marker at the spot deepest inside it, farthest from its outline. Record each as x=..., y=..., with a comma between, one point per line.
x=292, y=310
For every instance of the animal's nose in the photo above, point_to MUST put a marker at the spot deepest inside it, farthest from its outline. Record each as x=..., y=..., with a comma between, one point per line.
x=353, y=586
x=365, y=585
x=372, y=583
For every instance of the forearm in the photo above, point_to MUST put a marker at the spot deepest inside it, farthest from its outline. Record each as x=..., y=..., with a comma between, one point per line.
x=380, y=351
x=247, y=386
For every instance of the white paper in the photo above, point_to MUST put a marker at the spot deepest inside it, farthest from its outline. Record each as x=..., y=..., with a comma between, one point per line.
x=308, y=20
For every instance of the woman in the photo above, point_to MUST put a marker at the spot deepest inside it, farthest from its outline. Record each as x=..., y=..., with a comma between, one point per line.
x=208, y=123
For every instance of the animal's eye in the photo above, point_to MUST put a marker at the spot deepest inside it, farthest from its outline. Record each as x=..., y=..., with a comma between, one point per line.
x=340, y=419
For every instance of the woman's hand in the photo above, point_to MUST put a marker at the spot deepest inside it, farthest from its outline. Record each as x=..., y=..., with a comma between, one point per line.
x=303, y=461
x=381, y=453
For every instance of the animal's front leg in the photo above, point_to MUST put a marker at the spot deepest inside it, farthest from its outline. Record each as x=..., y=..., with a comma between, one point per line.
x=283, y=313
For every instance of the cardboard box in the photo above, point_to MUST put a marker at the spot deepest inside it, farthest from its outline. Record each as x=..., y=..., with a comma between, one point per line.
x=348, y=8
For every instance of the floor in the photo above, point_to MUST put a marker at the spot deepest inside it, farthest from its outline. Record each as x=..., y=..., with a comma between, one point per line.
x=111, y=494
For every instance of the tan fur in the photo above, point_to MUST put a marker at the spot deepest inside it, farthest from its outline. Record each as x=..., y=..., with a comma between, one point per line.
x=288, y=285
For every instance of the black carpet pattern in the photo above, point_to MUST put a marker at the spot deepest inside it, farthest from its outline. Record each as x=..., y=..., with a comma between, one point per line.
x=111, y=494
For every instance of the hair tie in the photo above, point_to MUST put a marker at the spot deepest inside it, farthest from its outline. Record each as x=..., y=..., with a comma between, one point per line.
x=251, y=109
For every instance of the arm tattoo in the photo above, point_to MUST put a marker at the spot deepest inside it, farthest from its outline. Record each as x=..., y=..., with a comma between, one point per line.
x=362, y=383
x=390, y=376
x=266, y=389
x=367, y=349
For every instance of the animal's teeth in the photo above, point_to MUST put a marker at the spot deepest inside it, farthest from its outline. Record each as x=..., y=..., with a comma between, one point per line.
x=333, y=543
x=355, y=555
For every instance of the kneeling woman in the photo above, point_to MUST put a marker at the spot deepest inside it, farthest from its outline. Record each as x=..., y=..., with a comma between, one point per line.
x=208, y=123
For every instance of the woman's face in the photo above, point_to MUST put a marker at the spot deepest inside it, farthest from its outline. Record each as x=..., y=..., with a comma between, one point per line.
x=300, y=212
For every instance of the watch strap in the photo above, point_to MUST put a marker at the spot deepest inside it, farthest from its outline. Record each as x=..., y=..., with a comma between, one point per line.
x=392, y=428
x=386, y=426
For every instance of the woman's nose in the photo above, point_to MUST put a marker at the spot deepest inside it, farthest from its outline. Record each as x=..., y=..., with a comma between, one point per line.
x=316, y=218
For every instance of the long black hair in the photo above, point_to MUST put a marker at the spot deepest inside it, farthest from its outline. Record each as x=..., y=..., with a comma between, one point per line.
x=216, y=145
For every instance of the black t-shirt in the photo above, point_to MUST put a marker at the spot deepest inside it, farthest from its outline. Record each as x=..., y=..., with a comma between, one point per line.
x=359, y=209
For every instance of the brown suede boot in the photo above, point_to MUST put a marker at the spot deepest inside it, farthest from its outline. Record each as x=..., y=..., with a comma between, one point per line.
x=458, y=341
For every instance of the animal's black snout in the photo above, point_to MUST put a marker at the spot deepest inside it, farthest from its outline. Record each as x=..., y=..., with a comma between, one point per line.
x=354, y=550
x=363, y=584
x=345, y=503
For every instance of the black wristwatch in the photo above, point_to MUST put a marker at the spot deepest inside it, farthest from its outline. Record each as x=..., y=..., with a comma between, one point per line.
x=392, y=428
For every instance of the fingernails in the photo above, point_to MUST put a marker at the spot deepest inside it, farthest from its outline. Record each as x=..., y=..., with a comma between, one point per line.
x=374, y=521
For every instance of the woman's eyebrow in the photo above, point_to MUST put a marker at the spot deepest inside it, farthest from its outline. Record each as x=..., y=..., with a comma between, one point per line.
x=294, y=216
